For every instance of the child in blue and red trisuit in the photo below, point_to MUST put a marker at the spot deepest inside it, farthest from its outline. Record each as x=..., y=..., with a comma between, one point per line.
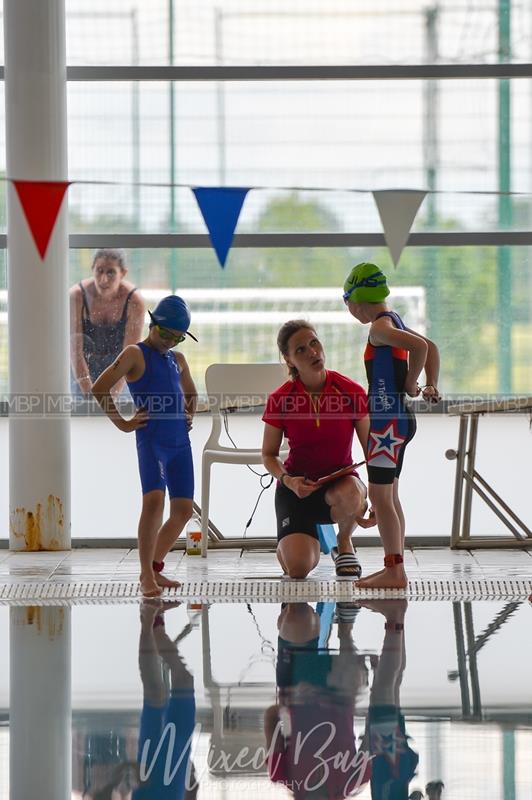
x=165, y=396
x=394, y=359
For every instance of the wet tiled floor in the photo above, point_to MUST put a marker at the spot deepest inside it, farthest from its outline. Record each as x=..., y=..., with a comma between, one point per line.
x=122, y=564
x=207, y=699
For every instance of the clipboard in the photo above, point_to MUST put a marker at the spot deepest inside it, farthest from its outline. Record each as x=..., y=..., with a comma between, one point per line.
x=339, y=473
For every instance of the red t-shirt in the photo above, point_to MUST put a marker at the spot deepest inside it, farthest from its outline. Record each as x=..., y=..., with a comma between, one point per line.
x=320, y=752
x=319, y=430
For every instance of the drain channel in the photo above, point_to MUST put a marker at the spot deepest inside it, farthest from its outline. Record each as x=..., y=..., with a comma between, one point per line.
x=266, y=591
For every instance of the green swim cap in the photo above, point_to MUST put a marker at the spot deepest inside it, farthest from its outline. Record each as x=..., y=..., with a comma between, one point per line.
x=366, y=283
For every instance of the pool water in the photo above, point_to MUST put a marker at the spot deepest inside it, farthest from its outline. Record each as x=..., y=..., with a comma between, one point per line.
x=376, y=699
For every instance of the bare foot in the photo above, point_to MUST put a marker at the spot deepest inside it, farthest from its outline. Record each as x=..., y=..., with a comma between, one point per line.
x=379, y=572
x=167, y=604
x=166, y=583
x=149, y=587
x=388, y=578
x=393, y=609
x=149, y=608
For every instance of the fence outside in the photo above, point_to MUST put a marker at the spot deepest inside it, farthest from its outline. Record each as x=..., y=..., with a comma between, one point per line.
x=240, y=325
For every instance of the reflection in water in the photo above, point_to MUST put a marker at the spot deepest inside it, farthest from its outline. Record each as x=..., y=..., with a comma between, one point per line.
x=40, y=714
x=434, y=790
x=310, y=731
x=162, y=769
x=322, y=715
x=168, y=713
x=394, y=761
x=106, y=768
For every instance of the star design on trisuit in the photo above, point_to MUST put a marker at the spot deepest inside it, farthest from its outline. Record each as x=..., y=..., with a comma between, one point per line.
x=386, y=442
x=390, y=745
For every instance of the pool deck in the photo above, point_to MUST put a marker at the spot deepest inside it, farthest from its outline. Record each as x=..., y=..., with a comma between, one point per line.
x=233, y=574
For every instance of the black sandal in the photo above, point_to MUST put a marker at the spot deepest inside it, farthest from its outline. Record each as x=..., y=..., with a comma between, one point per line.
x=344, y=562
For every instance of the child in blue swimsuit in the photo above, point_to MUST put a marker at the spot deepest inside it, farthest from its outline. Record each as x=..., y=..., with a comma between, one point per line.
x=394, y=359
x=165, y=397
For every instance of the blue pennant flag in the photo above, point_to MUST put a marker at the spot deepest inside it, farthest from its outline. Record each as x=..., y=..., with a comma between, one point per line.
x=220, y=208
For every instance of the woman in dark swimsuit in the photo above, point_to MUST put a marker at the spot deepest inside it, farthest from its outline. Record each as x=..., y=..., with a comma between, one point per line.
x=106, y=314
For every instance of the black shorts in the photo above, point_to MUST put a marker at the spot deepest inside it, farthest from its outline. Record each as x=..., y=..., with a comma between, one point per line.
x=298, y=663
x=300, y=515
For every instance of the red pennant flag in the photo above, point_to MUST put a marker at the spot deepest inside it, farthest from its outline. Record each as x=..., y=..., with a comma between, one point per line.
x=41, y=201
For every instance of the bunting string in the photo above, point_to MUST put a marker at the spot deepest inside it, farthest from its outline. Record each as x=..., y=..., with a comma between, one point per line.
x=283, y=188
x=221, y=206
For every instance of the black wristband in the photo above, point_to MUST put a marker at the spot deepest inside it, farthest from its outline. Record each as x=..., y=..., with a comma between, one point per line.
x=281, y=479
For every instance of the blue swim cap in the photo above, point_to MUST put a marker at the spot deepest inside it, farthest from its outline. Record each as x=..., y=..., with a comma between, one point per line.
x=172, y=312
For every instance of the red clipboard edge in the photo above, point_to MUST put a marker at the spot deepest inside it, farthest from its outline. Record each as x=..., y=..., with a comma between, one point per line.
x=339, y=473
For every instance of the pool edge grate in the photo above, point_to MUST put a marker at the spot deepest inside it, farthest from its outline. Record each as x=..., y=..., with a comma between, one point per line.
x=266, y=591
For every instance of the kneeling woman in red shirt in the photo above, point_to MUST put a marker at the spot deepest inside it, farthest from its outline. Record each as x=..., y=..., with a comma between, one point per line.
x=317, y=410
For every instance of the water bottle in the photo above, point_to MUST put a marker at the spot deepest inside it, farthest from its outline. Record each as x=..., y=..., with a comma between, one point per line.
x=194, y=536
x=194, y=613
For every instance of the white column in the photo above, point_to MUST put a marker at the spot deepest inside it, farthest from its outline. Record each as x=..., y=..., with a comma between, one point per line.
x=36, y=137
x=40, y=717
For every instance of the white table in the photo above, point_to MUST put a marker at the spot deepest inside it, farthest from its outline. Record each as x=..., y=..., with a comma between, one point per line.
x=468, y=478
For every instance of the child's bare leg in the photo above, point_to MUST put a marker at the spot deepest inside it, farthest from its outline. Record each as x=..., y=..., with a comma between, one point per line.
x=399, y=511
x=150, y=521
x=180, y=512
x=389, y=524
x=392, y=662
x=180, y=677
x=155, y=691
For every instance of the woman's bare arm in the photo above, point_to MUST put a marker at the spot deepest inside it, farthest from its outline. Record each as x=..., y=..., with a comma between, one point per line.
x=136, y=314
x=80, y=368
x=271, y=444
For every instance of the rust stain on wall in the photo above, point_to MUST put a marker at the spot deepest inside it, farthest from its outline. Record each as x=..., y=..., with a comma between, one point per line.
x=42, y=529
x=50, y=620
x=31, y=612
x=33, y=530
x=55, y=618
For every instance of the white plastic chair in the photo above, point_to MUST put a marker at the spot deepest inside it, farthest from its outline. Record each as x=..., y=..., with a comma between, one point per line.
x=233, y=386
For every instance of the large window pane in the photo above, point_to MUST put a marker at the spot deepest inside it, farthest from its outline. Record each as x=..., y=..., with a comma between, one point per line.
x=334, y=135
x=449, y=293
x=291, y=31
